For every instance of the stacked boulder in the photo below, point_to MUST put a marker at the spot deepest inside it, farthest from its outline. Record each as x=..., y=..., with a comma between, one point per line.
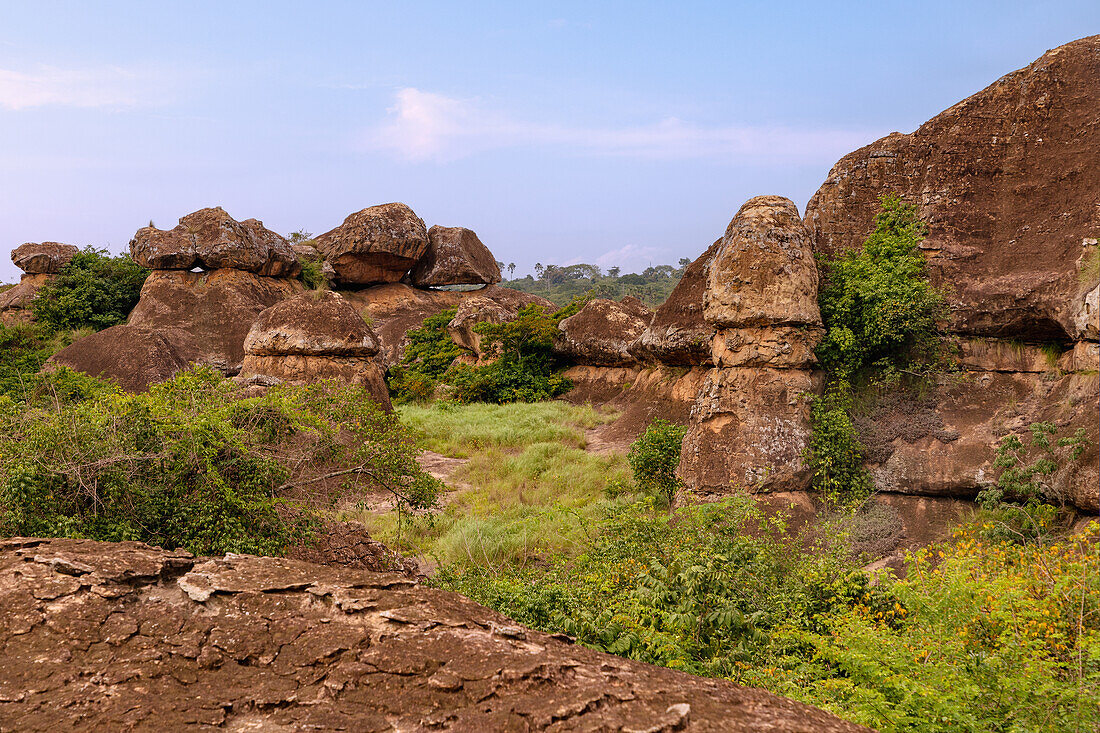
x=39, y=263
x=379, y=244
x=314, y=336
x=603, y=332
x=455, y=258
x=750, y=421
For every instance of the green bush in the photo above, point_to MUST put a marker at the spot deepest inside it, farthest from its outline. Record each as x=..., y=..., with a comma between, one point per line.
x=313, y=274
x=876, y=302
x=834, y=454
x=187, y=465
x=94, y=290
x=428, y=356
x=654, y=457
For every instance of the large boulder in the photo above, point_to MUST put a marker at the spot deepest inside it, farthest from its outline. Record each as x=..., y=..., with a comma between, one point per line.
x=15, y=302
x=379, y=244
x=313, y=336
x=455, y=256
x=1007, y=182
x=602, y=332
x=216, y=309
x=46, y=258
x=471, y=312
x=678, y=334
x=211, y=239
x=123, y=636
x=132, y=357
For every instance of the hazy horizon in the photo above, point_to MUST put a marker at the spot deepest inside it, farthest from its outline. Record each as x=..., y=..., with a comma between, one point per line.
x=623, y=135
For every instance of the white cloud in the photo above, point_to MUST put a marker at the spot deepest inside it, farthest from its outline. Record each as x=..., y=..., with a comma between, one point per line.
x=108, y=86
x=428, y=126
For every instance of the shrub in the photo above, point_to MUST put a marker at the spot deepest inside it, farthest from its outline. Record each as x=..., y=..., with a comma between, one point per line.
x=654, y=457
x=428, y=356
x=834, y=454
x=313, y=274
x=94, y=290
x=186, y=465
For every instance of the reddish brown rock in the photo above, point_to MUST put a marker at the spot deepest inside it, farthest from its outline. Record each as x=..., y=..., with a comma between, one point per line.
x=379, y=244
x=1007, y=181
x=786, y=347
x=455, y=256
x=396, y=308
x=763, y=273
x=216, y=309
x=314, y=336
x=211, y=239
x=132, y=357
x=678, y=333
x=46, y=258
x=602, y=332
x=15, y=302
x=121, y=636
x=472, y=311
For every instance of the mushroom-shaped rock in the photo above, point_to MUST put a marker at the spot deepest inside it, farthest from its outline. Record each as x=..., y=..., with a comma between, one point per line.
x=213, y=240
x=379, y=244
x=46, y=258
x=313, y=336
x=455, y=256
x=763, y=273
x=471, y=312
x=602, y=332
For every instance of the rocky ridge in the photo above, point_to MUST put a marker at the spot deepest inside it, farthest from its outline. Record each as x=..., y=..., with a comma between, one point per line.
x=125, y=636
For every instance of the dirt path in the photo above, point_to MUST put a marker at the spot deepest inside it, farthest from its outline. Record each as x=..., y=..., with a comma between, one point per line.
x=442, y=467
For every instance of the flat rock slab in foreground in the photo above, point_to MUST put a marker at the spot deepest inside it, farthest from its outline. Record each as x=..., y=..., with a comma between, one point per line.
x=102, y=636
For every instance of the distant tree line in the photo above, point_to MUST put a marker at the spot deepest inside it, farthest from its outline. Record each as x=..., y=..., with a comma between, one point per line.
x=562, y=283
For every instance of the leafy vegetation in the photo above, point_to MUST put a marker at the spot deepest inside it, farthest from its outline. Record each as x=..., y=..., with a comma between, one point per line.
x=654, y=457
x=522, y=370
x=562, y=284
x=94, y=290
x=186, y=465
x=880, y=313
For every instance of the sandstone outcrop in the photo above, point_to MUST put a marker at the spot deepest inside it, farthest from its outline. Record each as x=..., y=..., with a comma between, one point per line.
x=113, y=636
x=751, y=417
x=314, y=336
x=212, y=240
x=471, y=312
x=678, y=334
x=394, y=309
x=132, y=357
x=15, y=302
x=379, y=244
x=46, y=258
x=603, y=331
x=455, y=256
x=215, y=309
x=1007, y=182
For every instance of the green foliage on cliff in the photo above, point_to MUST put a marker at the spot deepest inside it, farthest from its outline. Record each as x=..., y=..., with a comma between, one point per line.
x=94, y=290
x=187, y=465
x=834, y=454
x=654, y=457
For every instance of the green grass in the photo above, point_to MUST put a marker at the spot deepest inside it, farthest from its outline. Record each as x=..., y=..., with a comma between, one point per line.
x=528, y=493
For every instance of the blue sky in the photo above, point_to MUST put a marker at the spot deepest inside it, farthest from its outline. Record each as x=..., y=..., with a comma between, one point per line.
x=612, y=132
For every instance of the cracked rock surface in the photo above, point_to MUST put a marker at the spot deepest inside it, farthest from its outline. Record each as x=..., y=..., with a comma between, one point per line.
x=123, y=636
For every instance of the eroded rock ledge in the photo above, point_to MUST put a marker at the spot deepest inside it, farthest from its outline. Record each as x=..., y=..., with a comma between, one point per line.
x=123, y=636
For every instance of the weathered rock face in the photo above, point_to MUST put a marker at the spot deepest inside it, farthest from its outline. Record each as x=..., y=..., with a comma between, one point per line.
x=1007, y=182
x=471, y=312
x=678, y=334
x=763, y=273
x=132, y=357
x=216, y=309
x=124, y=636
x=379, y=244
x=15, y=303
x=46, y=258
x=455, y=256
x=602, y=332
x=211, y=239
x=313, y=336
x=396, y=308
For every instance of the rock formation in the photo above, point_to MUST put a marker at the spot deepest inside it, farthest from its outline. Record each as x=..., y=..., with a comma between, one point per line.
x=115, y=636
x=602, y=332
x=211, y=239
x=379, y=244
x=39, y=262
x=135, y=358
x=471, y=312
x=750, y=420
x=455, y=256
x=313, y=336
x=1007, y=183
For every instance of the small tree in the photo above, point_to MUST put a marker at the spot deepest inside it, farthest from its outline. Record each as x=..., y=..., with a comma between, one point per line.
x=94, y=290
x=654, y=457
